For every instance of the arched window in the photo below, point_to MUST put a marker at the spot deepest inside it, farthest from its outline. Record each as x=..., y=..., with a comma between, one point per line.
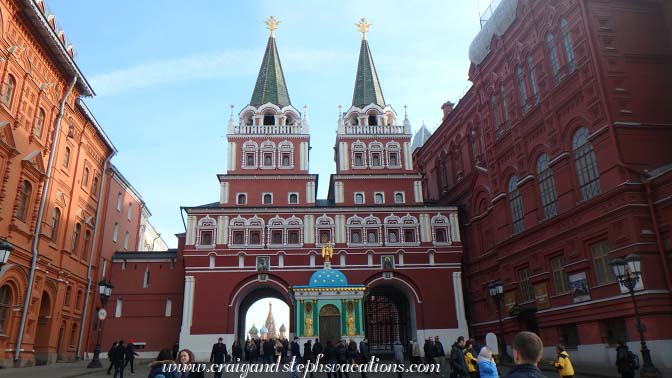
x=516, y=202
x=373, y=120
x=145, y=281
x=5, y=305
x=378, y=198
x=474, y=143
x=8, y=93
x=24, y=200
x=269, y=119
x=586, y=164
x=522, y=91
x=494, y=107
x=78, y=301
x=242, y=199
x=39, y=124
x=568, y=46
x=94, y=187
x=73, y=335
x=546, y=181
x=115, y=232
x=87, y=244
x=127, y=236
x=75, y=238
x=398, y=198
x=68, y=294
x=85, y=177
x=66, y=157
x=533, y=79
x=268, y=199
x=553, y=56
x=293, y=198
x=505, y=108
x=55, y=220
x=359, y=198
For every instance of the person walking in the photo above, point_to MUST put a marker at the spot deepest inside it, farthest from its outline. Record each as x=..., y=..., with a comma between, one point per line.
x=563, y=363
x=415, y=353
x=527, y=350
x=330, y=359
x=295, y=351
x=187, y=363
x=308, y=355
x=119, y=359
x=317, y=348
x=218, y=354
x=626, y=361
x=364, y=355
x=236, y=352
x=439, y=356
x=130, y=355
x=156, y=368
x=486, y=364
x=352, y=352
x=470, y=359
x=458, y=365
x=109, y=357
x=429, y=351
x=342, y=359
x=398, y=350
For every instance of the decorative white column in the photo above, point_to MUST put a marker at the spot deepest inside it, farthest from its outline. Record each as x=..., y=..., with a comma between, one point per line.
x=224, y=193
x=454, y=226
x=459, y=302
x=191, y=230
x=417, y=191
x=188, y=306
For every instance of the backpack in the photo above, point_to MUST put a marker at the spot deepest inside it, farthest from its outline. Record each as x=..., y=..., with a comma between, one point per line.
x=633, y=361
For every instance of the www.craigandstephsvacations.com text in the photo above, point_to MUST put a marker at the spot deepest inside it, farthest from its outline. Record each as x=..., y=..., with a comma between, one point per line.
x=303, y=369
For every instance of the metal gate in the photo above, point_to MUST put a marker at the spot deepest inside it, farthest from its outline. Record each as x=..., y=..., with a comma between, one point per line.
x=386, y=320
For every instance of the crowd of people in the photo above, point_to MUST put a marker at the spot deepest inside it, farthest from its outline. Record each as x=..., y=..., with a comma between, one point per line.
x=465, y=359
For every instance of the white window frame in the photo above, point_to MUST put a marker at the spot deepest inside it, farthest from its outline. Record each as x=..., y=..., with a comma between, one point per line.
x=118, y=308
x=129, y=212
x=363, y=198
x=126, y=239
x=263, y=196
x=120, y=200
x=375, y=194
x=403, y=197
x=115, y=232
x=169, y=308
x=289, y=196
x=145, y=278
x=238, y=195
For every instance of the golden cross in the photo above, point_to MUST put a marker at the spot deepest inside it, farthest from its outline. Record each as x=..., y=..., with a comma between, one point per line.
x=272, y=24
x=363, y=27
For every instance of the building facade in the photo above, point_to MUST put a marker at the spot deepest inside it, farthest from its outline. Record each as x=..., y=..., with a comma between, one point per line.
x=558, y=157
x=53, y=155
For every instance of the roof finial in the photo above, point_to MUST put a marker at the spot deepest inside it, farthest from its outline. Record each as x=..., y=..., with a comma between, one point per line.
x=231, y=124
x=405, y=111
x=363, y=27
x=340, y=112
x=272, y=24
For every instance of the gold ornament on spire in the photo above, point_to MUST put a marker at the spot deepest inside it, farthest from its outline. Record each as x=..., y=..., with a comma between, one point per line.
x=272, y=24
x=327, y=252
x=363, y=27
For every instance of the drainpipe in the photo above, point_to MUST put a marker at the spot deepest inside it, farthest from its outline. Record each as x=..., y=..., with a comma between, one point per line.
x=93, y=244
x=38, y=225
x=659, y=241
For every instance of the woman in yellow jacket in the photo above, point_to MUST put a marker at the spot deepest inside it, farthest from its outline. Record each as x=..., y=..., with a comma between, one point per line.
x=470, y=359
x=562, y=363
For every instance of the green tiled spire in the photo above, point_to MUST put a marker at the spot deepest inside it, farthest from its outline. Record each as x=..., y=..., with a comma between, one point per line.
x=367, y=87
x=270, y=85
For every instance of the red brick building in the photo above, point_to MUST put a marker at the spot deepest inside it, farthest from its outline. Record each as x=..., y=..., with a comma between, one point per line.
x=559, y=160
x=52, y=157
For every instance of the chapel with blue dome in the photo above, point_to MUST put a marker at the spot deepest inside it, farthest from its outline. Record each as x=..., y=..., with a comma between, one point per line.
x=329, y=307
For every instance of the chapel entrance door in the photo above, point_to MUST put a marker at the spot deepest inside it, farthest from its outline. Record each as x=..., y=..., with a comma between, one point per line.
x=330, y=324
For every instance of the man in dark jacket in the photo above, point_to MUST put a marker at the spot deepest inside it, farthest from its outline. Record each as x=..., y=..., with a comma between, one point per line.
x=130, y=355
x=330, y=358
x=119, y=359
x=364, y=354
x=439, y=356
x=317, y=348
x=218, y=355
x=308, y=355
x=625, y=361
x=527, y=351
x=342, y=358
x=295, y=350
x=109, y=357
x=457, y=363
x=429, y=351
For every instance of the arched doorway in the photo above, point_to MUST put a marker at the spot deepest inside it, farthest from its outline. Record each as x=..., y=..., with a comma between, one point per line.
x=388, y=316
x=43, y=330
x=330, y=324
x=253, y=297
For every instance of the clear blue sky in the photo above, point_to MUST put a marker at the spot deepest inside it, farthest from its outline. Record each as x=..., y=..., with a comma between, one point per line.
x=165, y=73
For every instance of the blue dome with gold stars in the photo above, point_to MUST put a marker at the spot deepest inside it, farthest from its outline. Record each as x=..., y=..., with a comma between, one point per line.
x=328, y=278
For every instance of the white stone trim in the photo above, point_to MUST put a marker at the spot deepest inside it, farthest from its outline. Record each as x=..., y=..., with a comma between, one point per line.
x=459, y=301
x=417, y=191
x=408, y=157
x=224, y=193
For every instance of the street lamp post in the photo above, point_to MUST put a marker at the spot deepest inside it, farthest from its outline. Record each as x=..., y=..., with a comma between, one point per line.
x=105, y=290
x=6, y=249
x=628, y=272
x=496, y=290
